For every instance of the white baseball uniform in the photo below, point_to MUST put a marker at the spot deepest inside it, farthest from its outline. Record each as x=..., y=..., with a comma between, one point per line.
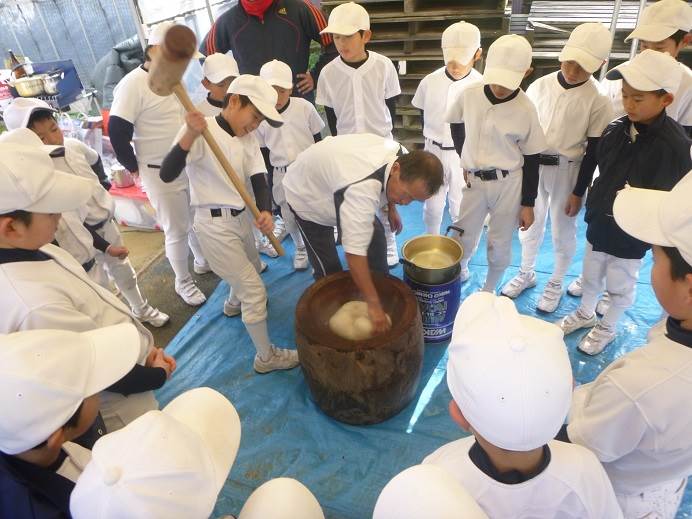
x=156, y=121
x=301, y=123
x=431, y=97
x=357, y=96
x=572, y=485
x=568, y=116
x=224, y=233
x=679, y=110
x=209, y=107
x=99, y=214
x=52, y=291
x=497, y=138
x=632, y=417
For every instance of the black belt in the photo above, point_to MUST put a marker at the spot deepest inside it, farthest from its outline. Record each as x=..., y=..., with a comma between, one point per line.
x=490, y=174
x=88, y=265
x=439, y=145
x=153, y=166
x=215, y=213
x=549, y=160
x=99, y=225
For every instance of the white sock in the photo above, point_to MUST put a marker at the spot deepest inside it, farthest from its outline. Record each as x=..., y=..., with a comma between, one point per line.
x=180, y=268
x=260, y=338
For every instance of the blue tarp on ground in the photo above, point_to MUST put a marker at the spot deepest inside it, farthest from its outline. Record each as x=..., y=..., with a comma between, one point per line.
x=285, y=434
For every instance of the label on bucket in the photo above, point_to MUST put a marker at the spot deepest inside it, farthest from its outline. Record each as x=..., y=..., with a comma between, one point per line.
x=438, y=307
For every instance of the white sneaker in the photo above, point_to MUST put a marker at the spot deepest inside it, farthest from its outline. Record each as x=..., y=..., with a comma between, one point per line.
x=603, y=304
x=279, y=229
x=575, y=321
x=263, y=267
x=300, y=259
x=597, y=339
x=189, y=292
x=575, y=288
x=201, y=268
x=464, y=275
x=265, y=247
x=550, y=298
x=518, y=284
x=231, y=308
x=281, y=359
x=151, y=315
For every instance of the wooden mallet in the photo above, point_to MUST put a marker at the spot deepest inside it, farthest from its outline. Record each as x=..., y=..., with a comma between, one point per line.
x=165, y=73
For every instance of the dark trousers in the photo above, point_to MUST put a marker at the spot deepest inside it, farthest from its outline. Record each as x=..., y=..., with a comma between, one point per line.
x=321, y=247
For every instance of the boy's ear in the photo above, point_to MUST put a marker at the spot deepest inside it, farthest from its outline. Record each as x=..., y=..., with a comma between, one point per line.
x=688, y=282
x=458, y=416
x=55, y=440
x=205, y=82
x=478, y=55
x=366, y=36
x=10, y=227
x=686, y=40
x=528, y=72
x=668, y=99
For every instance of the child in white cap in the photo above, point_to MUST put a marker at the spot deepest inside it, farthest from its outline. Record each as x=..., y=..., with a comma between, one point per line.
x=49, y=396
x=166, y=464
x=498, y=136
x=359, y=91
x=281, y=498
x=93, y=237
x=632, y=416
x=44, y=287
x=645, y=148
x=461, y=48
x=573, y=114
x=511, y=387
x=149, y=122
x=301, y=128
x=663, y=26
x=218, y=70
x=224, y=231
x=426, y=491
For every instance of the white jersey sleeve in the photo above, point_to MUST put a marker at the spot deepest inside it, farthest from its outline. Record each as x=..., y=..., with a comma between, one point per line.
x=534, y=141
x=315, y=122
x=419, y=98
x=391, y=81
x=90, y=154
x=127, y=100
x=601, y=116
x=58, y=317
x=455, y=104
x=260, y=134
x=605, y=420
x=197, y=149
x=323, y=94
x=356, y=216
x=254, y=162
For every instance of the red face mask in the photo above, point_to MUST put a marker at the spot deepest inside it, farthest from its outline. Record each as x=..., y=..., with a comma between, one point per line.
x=256, y=7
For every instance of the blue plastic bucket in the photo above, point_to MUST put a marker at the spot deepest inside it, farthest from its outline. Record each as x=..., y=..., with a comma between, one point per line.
x=438, y=307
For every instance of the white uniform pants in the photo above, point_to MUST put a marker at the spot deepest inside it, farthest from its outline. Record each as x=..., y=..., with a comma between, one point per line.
x=229, y=247
x=616, y=275
x=174, y=213
x=451, y=189
x=120, y=271
x=661, y=502
x=501, y=200
x=286, y=214
x=555, y=185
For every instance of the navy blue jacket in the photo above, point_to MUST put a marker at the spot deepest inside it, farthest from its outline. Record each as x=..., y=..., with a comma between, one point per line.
x=657, y=159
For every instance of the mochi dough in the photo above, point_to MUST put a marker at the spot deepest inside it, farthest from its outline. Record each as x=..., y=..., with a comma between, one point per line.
x=352, y=322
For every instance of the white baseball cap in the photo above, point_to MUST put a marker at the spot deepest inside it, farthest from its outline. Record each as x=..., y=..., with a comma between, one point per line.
x=281, y=498
x=47, y=374
x=509, y=57
x=262, y=95
x=217, y=67
x=662, y=19
x=426, y=491
x=277, y=73
x=169, y=463
x=460, y=41
x=508, y=373
x=347, y=19
x=30, y=182
x=18, y=112
x=589, y=45
x=650, y=71
x=658, y=217
x=157, y=35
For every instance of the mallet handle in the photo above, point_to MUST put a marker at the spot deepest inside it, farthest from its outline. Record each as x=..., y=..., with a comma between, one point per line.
x=184, y=99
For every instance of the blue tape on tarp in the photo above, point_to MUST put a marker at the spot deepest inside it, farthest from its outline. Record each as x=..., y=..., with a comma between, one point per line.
x=285, y=434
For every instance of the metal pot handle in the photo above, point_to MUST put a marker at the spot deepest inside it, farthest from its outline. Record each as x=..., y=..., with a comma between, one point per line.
x=455, y=228
x=407, y=263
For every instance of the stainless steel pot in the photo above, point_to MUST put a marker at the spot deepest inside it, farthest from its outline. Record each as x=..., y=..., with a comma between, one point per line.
x=29, y=86
x=432, y=259
x=51, y=80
